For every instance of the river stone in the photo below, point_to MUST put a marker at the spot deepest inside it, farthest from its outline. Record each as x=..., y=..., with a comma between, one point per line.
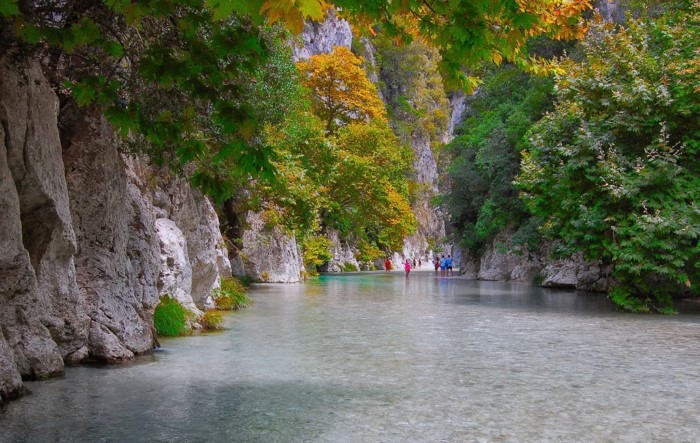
x=118, y=260
x=575, y=272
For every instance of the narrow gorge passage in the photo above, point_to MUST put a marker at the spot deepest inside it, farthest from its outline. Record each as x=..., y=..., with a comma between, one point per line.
x=377, y=357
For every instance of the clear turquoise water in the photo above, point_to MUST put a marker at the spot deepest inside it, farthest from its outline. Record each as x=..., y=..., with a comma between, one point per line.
x=377, y=358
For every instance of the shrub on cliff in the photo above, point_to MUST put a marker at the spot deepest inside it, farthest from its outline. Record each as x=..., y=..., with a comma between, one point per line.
x=170, y=318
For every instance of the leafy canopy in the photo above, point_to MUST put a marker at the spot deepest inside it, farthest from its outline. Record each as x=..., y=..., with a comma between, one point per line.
x=482, y=200
x=341, y=92
x=614, y=170
x=184, y=80
x=466, y=32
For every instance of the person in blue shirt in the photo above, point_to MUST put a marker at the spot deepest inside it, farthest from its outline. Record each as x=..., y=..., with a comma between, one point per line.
x=443, y=266
x=448, y=266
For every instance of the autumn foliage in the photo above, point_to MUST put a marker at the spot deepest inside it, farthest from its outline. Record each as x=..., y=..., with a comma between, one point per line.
x=341, y=92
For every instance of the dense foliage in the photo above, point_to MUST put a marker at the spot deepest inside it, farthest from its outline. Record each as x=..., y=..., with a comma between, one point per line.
x=180, y=85
x=348, y=174
x=188, y=81
x=413, y=90
x=482, y=200
x=614, y=170
x=340, y=90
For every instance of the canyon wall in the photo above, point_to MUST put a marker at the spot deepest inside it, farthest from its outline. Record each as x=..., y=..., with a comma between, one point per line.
x=89, y=238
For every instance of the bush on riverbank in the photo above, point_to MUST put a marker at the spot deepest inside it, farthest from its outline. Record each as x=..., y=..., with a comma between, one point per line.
x=231, y=295
x=170, y=318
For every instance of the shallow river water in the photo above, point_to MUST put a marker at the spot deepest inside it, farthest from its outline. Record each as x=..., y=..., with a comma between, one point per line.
x=378, y=358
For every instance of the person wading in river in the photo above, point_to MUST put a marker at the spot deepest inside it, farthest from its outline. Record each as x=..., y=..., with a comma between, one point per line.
x=407, y=267
x=387, y=265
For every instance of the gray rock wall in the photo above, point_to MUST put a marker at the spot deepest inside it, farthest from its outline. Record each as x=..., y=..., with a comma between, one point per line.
x=343, y=254
x=38, y=294
x=269, y=254
x=117, y=262
x=322, y=37
x=503, y=261
x=81, y=257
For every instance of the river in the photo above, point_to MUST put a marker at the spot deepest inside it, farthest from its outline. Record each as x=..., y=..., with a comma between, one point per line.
x=375, y=357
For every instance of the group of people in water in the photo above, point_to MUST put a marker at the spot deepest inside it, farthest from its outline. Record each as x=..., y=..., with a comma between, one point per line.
x=443, y=265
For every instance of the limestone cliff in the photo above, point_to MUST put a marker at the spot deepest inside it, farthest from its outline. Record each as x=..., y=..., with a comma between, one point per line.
x=84, y=253
x=268, y=253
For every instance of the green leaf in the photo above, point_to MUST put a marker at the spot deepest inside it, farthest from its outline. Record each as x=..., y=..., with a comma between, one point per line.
x=9, y=8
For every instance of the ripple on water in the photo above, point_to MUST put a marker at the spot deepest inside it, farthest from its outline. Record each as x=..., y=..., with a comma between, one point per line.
x=375, y=357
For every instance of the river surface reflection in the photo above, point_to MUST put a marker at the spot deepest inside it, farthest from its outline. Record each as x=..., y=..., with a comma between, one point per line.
x=378, y=358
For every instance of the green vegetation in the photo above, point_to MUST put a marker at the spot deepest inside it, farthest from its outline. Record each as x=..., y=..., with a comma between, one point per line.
x=195, y=82
x=231, y=295
x=614, y=170
x=486, y=157
x=349, y=267
x=605, y=156
x=211, y=320
x=316, y=253
x=170, y=318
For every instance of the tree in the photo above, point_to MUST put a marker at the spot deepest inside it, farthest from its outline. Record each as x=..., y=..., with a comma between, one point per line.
x=466, y=32
x=368, y=190
x=614, y=170
x=173, y=75
x=341, y=92
x=482, y=200
x=179, y=84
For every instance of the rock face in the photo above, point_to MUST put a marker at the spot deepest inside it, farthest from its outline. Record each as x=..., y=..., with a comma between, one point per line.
x=321, y=38
x=38, y=294
x=195, y=216
x=269, y=254
x=117, y=263
x=175, y=269
x=503, y=261
x=611, y=10
x=343, y=256
x=84, y=251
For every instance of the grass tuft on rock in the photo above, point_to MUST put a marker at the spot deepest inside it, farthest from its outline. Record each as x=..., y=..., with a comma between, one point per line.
x=170, y=318
x=231, y=295
x=211, y=320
